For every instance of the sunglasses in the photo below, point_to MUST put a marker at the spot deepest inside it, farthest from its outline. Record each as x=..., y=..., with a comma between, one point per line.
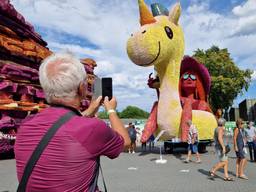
x=191, y=76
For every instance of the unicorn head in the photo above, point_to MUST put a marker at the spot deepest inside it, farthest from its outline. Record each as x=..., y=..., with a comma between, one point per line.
x=159, y=41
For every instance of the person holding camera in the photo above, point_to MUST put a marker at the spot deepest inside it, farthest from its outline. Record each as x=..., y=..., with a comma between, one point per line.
x=70, y=159
x=220, y=149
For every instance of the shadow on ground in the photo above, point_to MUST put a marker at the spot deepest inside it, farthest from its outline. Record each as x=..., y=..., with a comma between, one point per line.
x=207, y=173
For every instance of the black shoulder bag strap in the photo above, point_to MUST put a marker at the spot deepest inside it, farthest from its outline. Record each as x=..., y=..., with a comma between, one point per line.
x=40, y=148
x=94, y=183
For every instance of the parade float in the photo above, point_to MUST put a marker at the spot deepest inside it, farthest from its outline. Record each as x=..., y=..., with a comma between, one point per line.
x=89, y=65
x=183, y=84
x=21, y=52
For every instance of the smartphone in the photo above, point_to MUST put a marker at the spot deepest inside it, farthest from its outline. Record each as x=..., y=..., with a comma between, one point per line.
x=107, y=89
x=103, y=87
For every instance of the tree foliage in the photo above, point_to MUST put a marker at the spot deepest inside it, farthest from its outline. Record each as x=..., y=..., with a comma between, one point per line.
x=227, y=79
x=104, y=114
x=134, y=112
x=130, y=112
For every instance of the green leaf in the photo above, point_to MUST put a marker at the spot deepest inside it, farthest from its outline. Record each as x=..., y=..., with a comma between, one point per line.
x=228, y=81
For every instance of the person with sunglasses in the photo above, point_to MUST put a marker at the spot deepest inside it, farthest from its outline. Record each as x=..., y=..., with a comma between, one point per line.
x=194, y=88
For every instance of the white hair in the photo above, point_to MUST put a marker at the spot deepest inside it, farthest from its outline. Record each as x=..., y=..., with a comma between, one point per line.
x=60, y=75
x=251, y=123
x=221, y=122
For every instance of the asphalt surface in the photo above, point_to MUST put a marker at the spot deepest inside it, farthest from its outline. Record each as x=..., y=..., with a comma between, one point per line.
x=139, y=173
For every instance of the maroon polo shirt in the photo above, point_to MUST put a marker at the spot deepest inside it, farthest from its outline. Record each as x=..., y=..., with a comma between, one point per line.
x=69, y=161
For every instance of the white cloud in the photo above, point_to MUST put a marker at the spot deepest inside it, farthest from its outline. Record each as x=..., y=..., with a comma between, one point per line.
x=104, y=67
x=78, y=50
x=197, y=8
x=247, y=9
x=242, y=45
x=254, y=76
x=108, y=24
x=245, y=25
x=237, y=32
x=246, y=15
x=248, y=62
x=203, y=28
x=136, y=81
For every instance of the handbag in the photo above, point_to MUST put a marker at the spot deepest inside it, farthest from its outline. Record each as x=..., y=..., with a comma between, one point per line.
x=227, y=149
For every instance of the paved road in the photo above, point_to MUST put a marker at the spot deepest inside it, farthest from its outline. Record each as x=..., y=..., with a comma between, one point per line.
x=139, y=173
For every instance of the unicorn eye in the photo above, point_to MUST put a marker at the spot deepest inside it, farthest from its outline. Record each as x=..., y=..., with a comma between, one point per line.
x=169, y=32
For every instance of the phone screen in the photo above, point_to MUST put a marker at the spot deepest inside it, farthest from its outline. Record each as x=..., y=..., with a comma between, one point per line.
x=107, y=87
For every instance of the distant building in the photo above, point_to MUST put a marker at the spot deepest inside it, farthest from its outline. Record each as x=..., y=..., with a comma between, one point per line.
x=254, y=110
x=234, y=114
x=247, y=110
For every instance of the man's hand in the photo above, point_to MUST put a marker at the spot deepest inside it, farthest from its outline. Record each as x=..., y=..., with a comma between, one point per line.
x=93, y=107
x=110, y=104
x=153, y=83
x=116, y=124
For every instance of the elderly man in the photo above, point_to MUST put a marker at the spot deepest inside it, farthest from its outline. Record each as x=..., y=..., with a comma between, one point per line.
x=250, y=133
x=69, y=161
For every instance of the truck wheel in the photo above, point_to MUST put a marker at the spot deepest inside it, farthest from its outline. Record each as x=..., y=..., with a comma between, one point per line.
x=168, y=148
x=202, y=148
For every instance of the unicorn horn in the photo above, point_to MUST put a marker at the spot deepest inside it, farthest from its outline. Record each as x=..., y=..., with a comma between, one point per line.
x=145, y=15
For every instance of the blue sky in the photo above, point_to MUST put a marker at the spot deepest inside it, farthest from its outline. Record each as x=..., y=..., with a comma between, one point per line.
x=99, y=29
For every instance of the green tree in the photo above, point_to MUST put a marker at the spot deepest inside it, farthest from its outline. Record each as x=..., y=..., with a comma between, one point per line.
x=103, y=115
x=227, y=79
x=134, y=112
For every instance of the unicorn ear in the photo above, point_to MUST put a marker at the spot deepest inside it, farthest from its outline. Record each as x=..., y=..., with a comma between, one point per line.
x=175, y=13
